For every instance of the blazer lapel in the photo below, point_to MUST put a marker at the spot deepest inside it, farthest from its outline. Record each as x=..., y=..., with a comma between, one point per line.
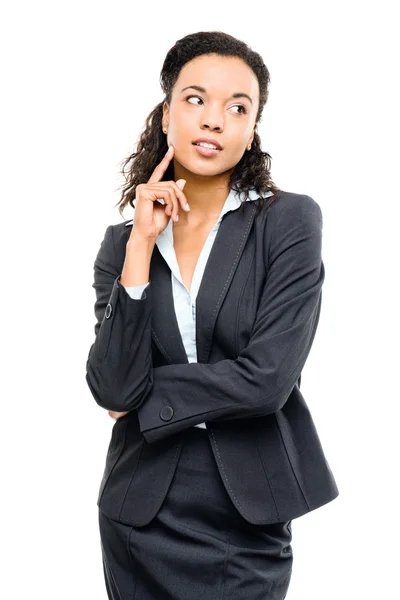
x=220, y=268
x=165, y=329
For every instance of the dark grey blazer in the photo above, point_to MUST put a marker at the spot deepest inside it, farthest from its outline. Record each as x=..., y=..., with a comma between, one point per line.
x=257, y=312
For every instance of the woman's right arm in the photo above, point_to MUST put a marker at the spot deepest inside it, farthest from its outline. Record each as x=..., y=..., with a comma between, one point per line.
x=119, y=365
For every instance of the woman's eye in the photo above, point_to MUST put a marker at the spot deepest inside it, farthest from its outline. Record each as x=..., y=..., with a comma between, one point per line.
x=240, y=106
x=190, y=97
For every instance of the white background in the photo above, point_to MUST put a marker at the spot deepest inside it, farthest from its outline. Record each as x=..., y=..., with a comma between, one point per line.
x=78, y=80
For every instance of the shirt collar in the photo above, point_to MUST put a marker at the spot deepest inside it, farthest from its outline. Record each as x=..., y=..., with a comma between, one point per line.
x=233, y=200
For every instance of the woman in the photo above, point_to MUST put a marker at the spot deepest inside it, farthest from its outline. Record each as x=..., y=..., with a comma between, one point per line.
x=207, y=304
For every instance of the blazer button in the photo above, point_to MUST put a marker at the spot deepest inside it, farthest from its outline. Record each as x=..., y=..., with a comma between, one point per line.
x=166, y=413
x=108, y=311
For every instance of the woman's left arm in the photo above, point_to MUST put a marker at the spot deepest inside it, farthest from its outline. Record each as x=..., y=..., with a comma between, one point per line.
x=261, y=379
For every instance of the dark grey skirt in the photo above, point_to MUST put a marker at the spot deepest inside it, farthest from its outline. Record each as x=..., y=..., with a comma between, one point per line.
x=198, y=546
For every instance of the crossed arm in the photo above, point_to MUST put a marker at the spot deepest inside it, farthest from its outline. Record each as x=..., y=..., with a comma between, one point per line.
x=258, y=382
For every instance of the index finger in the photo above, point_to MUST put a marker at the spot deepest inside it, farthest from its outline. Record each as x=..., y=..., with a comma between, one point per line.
x=162, y=166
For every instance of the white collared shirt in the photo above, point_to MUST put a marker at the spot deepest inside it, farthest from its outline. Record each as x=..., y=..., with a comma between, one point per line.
x=185, y=300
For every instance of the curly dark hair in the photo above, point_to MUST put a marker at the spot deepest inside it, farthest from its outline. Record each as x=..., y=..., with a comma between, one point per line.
x=253, y=169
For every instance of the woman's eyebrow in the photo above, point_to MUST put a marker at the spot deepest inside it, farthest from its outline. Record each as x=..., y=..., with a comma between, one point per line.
x=201, y=89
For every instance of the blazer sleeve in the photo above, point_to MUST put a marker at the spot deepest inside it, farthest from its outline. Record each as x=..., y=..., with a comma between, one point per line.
x=261, y=379
x=119, y=365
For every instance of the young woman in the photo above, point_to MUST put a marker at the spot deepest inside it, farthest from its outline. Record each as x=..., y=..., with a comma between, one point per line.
x=207, y=304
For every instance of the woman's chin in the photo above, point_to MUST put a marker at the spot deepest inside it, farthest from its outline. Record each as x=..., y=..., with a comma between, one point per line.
x=200, y=168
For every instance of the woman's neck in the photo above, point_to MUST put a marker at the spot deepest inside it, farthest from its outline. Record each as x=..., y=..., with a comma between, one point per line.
x=206, y=196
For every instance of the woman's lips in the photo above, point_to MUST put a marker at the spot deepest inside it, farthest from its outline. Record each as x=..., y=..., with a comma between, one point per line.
x=206, y=151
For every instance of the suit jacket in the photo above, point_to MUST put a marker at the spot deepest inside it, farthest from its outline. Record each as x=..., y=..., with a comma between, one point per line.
x=257, y=312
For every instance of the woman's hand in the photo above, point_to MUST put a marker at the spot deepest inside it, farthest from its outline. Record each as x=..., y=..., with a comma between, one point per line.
x=116, y=415
x=152, y=217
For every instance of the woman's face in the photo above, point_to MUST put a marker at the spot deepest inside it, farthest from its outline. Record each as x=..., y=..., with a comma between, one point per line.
x=212, y=112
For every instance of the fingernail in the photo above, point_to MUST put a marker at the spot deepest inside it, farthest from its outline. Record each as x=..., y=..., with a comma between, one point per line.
x=177, y=218
x=170, y=148
x=187, y=207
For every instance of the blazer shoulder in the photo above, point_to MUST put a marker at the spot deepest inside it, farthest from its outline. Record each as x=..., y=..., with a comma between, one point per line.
x=294, y=207
x=119, y=234
x=123, y=228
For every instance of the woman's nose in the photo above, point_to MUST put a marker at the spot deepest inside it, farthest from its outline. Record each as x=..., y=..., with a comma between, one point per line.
x=212, y=119
x=211, y=125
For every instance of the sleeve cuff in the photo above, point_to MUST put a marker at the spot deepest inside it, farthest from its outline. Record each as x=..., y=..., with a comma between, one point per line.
x=136, y=291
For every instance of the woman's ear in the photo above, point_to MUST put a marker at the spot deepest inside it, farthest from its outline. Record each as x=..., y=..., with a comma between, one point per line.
x=165, y=115
x=252, y=135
